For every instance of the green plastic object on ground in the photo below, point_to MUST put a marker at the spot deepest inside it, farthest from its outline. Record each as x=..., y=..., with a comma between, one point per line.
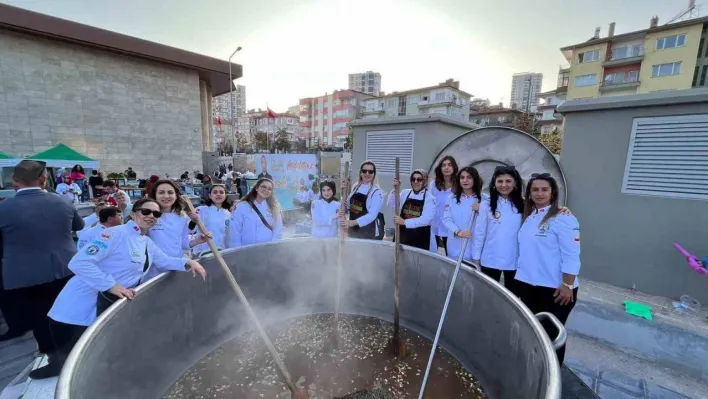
x=638, y=309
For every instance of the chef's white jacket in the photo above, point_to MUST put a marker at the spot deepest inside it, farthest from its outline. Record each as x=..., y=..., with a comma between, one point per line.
x=323, y=223
x=548, y=250
x=63, y=189
x=115, y=256
x=437, y=226
x=457, y=217
x=89, y=221
x=171, y=235
x=86, y=236
x=374, y=202
x=216, y=220
x=246, y=227
x=428, y=214
x=494, y=240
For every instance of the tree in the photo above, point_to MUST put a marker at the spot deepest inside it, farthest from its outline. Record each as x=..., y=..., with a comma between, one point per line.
x=553, y=140
x=261, y=139
x=525, y=123
x=282, y=140
x=349, y=144
x=241, y=142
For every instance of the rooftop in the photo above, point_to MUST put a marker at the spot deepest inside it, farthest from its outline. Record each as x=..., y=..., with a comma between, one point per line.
x=449, y=83
x=494, y=110
x=212, y=70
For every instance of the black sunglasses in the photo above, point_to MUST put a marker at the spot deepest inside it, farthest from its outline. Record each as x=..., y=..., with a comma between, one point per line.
x=368, y=171
x=540, y=175
x=417, y=179
x=146, y=212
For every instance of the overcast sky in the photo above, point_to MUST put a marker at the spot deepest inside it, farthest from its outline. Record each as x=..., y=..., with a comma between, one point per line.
x=295, y=49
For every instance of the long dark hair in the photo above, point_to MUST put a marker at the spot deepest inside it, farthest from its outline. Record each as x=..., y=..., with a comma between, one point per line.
x=226, y=205
x=439, y=178
x=476, y=185
x=273, y=204
x=529, y=206
x=179, y=206
x=515, y=196
x=77, y=168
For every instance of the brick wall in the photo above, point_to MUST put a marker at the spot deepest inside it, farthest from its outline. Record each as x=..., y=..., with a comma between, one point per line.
x=120, y=110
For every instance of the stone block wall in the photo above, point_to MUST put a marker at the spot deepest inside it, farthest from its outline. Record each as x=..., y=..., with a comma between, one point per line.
x=120, y=110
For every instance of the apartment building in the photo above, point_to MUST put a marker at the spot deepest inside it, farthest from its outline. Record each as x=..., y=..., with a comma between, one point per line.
x=367, y=82
x=259, y=121
x=324, y=119
x=221, y=114
x=673, y=56
x=494, y=115
x=547, y=119
x=525, y=88
x=445, y=98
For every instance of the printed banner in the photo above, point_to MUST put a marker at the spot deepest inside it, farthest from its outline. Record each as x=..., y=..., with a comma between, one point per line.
x=289, y=172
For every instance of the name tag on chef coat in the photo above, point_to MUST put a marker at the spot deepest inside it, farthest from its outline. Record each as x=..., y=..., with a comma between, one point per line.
x=137, y=253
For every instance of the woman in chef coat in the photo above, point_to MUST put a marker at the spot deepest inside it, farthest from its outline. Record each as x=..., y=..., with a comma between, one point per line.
x=494, y=240
x=69, y=189
x=549, y=254
x=171, y=232
x=459, y=210
x=257, y=217
x=441, y=188
x=216, y=217
x=364, y=205
x=325, y=211
x=417, y=211
x=107, y=269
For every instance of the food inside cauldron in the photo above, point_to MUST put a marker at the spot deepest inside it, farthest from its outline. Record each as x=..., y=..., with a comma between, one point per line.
x=360, y=368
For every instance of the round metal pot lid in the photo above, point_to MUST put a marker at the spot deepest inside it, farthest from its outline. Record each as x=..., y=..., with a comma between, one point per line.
x=488, y=147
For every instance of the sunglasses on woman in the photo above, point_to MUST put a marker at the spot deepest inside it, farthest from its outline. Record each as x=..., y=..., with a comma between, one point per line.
x=146, y=212
x=416, y=179
x=368, y=171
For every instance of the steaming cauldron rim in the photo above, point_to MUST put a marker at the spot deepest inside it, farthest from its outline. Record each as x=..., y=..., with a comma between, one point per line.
x=553, y=373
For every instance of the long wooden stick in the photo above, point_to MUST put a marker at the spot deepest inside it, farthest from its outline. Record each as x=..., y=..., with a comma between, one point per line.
x=278, y=362
x=340, y=254
x=397, y=257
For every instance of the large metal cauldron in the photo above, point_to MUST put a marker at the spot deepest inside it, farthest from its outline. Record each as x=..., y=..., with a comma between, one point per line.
x=139, y=349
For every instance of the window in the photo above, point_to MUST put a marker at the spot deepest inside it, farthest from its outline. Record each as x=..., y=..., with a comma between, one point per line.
x=670, y=69
x=382, y=147
x=585, y=80
x=589, y=56
x=412, y=99
x=670, y=42
x=663, y=158
x=501, y=119
x=392, y=102
x=439, y=96
x=703, y=75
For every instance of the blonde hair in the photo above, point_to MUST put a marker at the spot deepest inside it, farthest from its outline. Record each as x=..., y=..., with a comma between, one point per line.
x=375, y=180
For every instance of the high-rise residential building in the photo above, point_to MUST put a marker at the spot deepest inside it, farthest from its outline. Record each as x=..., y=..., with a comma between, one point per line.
x=673, y=56
x=324, y=119
x=367, y=82
x=221, y=113
x=445, y=98
x=525, y=87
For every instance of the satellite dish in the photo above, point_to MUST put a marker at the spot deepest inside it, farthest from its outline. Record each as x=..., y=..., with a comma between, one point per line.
x=488, y=147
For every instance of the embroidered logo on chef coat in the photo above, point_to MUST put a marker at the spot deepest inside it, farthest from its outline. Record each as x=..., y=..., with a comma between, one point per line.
x=497, y=215
x=105, y=236
x=92, y=250
x=136, y=228
x=542, y=229
x=577, y=239
x=447, y=206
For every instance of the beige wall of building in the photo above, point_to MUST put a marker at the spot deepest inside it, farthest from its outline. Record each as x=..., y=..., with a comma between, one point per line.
x=685, y=54
x=586, y=68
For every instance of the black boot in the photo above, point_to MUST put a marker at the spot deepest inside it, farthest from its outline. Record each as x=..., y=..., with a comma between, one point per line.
x=52, y=369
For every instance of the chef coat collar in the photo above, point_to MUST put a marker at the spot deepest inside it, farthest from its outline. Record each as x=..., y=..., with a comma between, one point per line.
x=542, y=210
x=133, y=227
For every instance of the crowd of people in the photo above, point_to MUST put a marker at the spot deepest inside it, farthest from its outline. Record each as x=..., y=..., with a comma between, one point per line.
x=516, y=232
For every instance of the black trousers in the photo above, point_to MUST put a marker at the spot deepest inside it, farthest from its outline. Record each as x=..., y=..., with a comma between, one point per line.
x=496, y=275
x=540, y=299
x=35, y=302
x=104, y=300
x=64, y=336
x=12, y=312
x=442, y=243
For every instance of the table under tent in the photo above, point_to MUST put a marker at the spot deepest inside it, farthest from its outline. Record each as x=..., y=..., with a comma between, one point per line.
x=63, y=156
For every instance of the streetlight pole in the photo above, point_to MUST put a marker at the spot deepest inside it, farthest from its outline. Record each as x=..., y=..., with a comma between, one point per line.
x=231, y=101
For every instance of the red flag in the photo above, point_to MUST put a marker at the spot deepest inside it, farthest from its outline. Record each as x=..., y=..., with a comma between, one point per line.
x=271, y=114
x=218, y=120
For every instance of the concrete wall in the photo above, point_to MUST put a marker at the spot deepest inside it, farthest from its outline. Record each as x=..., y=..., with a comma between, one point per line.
x=627, y=239
x=119, y=110
x=431, y=135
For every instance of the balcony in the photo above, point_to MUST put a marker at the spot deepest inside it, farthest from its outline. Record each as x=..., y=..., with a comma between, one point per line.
x=620, y=82
x=624, y=56
x=453, y=100
x=374, y=110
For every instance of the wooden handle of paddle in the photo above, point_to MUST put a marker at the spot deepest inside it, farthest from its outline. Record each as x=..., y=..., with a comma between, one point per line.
x=242, y=297
x=397, y=211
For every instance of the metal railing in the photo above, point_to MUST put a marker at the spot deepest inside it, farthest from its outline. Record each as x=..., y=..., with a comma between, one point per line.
x=626, y=52
x=614, y=80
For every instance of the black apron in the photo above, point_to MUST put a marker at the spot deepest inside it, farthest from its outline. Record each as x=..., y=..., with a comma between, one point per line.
x=418, y=237
x=357, y=209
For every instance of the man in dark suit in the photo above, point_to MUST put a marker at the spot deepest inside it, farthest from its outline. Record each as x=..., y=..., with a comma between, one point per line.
x=37, y=245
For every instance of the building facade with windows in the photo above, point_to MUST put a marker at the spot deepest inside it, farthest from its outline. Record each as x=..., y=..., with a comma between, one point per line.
x=525, y=88
x=662, y=57
x=548, y=119
x=324, y=119
x=445, y=98
x=259, y=121
x=496, y=115
x=367, y=82
x=222, y=116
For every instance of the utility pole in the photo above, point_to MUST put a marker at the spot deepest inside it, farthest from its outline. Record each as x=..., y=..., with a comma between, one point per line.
x=231, y=100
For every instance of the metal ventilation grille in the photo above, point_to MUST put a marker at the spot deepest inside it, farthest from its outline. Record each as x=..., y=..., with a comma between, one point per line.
x=668, y=157
x=382, y=147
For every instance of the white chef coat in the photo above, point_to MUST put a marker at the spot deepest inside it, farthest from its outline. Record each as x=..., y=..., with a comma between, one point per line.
x=428, y=214
x=246, y=227
x=457, y=217
x=171, y=235
x=89, y=221
x=216, y=220
x=323, y=224
x=437, y=226
x=115, y=256
x=494, y=240
x=374, y=202
x=63, y=189
x=549, y=250
x=303, y=196
x=311, y=195
x=86, y=236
